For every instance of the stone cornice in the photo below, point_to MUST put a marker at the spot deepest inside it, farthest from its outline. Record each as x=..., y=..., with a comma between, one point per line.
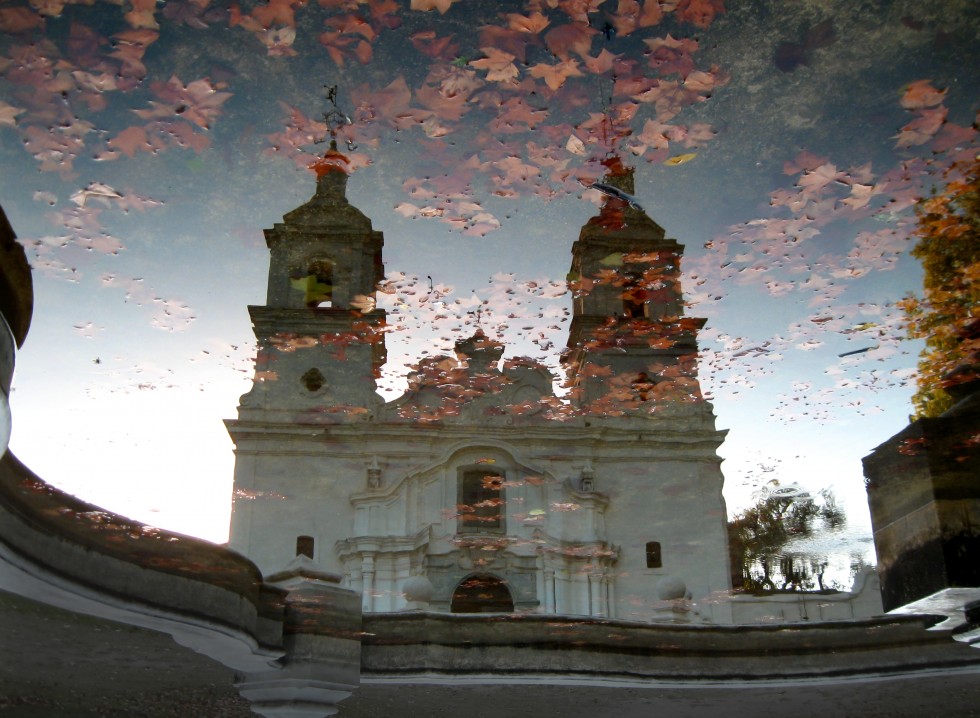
x=313, y=321
x=635, y=438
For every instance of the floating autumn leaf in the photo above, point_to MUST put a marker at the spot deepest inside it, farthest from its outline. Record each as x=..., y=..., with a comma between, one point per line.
x=516, y=115
x=193, y=13
x=385, y=14
x=198, y=102
x=8, y=114
x=363, y=303
x=575, y=145
x=701, y=81
x=47, y=197
x=102, y=82
x=102, y=243
x=670, y=56
x=130, y=47
x=555, y=75
x=922, y=94
x=446, y=107
x=430, y=45
x=351, y=24
x=515, y=170
x=575, y=37
x=481, y=224
x=680, y=159
x=407, y=210
x=861, y=194
x=601, y=63
x=498, y=64
x=131, y=140
x=860, y=175
x=697, y=135
x=279, y=41
x=277, y=12
x=815, y=180
x=425, y=5
x=141, y=14
x=130, y=200
x=50, y=8
x=506, y=39
x=181, y=134
x=56, y=149
x=699, y=13
x=954, y=137
x=447, y=90
x=342, y=47
x=533, y=23
x=97, y=191
x=803, y=162
x=85, y=48
x=630, y=16
x=15, y=20
x=922, y=128
x=389, y=102
x=654, y=134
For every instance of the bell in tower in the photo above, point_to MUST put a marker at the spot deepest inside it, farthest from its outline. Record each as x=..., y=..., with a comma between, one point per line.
x=630, y=349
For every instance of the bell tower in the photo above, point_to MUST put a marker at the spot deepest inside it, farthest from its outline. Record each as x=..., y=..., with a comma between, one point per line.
x=320, y=339
x=320, y=348
x=630, y=349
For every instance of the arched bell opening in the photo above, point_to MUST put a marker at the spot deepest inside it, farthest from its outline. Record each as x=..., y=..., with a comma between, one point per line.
x=316, y=283
x=482, y=593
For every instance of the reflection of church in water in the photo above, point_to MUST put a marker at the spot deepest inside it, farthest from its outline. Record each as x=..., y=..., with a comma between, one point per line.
x=479, y=490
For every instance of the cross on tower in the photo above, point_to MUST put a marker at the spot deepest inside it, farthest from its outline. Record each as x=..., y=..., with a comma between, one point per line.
x=334, y=118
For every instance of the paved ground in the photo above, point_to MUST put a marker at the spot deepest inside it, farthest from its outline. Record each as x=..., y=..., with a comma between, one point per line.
x=54, y=664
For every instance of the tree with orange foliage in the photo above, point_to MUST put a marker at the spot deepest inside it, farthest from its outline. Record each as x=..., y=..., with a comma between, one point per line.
x=946, y=315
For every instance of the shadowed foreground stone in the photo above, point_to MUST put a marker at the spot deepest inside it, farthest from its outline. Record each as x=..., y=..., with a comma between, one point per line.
x=57, y=664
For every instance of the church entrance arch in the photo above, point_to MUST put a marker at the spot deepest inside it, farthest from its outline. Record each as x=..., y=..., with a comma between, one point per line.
x=482, y=593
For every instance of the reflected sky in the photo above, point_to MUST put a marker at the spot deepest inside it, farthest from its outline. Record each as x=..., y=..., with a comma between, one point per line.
x=145, y=146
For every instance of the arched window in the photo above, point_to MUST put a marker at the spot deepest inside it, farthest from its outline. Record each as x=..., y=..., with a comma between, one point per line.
x=482, y=593
x=480, y=501
x=634, y=296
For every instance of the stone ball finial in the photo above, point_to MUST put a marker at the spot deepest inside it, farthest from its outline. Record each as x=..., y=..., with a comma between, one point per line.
x=418, y=589
x=671, y=588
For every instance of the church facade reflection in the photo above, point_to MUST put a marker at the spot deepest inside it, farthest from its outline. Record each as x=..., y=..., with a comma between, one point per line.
x=481, y=489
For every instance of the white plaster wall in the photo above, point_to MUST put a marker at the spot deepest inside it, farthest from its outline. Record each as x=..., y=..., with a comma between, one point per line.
x=668, y=502
x=651, y=498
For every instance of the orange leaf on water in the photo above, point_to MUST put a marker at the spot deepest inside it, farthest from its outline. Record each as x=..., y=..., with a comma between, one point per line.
x=426, y=5
x=575, y=37
x=555, y=75
x=130, y=141
x=921, y=94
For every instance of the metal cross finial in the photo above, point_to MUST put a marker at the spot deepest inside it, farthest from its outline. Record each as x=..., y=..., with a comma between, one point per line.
x=333, y=118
